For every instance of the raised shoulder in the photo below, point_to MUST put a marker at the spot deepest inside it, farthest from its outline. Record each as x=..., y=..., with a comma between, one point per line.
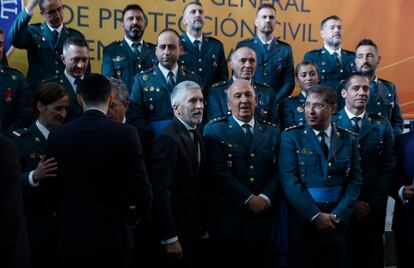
x=313, y=52
x=283, y=44
x=387, y=83
x=214, y=40
x=379, y=119
x=12, y=71
x=217, y=120
x=245, y=42
x=259, y=85
x=270, y=124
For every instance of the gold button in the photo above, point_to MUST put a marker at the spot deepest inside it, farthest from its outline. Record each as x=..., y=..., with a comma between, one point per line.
x=329, y=164
x=329, y=176
x=251, y=180
x=379, y=113
x=251, y=167
x=265, y=64
x=378, y=103
x=199, y=60
x=265, y=74
x=252, y=155
x=200, y=69
x=229, y=155
x=57, y=71
x=302, y=163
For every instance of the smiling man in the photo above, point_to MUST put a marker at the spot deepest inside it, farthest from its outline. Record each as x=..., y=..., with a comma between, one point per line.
x=149, y=102
x=242, y=170
x=243, y=64
x=320, y=173
x=378, y=161
x=125, y=58
x=335, y=63
x=43, y=41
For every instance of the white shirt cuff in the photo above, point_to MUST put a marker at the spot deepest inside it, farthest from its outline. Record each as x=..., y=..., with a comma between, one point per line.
x=245, y=202
x=314, y=217
x=169, y=240
x=31, y=181
x=269, y=203
x=401, y=195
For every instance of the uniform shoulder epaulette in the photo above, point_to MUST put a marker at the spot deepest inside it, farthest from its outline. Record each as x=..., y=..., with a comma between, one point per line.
x=283, y=43
x=294, y=127
x=216, y=120
x=148, y=44
x=244, y=42
x=210, y=38
x=75, y=31
x=348, y=51
x=267, y=123
x=11, y=69
x=35, y=24
x=386, y=82
x=149, y=70
x=346, y=130
x=314, y=51
x=377, y=117
x=20, y=132
x=219, y=84
x=255, y=83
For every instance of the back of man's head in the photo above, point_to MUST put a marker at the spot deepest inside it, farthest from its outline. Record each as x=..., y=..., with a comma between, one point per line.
x=95, y=89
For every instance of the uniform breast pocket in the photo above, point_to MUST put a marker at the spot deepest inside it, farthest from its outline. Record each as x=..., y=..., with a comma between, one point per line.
x=152, y=100
x=341, y=168
x=307, y=166
x=279, y=64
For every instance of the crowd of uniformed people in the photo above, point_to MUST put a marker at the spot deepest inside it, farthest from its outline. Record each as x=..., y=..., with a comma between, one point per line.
x=168, y=158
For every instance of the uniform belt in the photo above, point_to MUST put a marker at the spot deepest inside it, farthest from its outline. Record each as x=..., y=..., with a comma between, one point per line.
x=325, y=194
x=158, y=126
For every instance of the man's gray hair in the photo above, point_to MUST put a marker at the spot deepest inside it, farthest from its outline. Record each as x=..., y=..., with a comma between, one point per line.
x=181, y=88
x=120, y=89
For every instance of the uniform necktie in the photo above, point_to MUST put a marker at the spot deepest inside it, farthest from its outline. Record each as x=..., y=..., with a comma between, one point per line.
x=170, y=80
x=248, y=132
x=196, y=144
x=196, y=44
x=323, y=144
x=77, y=82
x=55, y=37
x=135, y=49
x=355, y=122
x=267, y=46
x=337, y=60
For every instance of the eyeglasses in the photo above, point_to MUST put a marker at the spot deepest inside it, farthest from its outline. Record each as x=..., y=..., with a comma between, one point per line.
x=316, y=106
x=52, y=12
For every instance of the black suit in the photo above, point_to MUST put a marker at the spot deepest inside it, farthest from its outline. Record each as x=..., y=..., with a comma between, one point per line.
x=403, y=220
x=176, y=179
x=101, y=171
x=14, y=247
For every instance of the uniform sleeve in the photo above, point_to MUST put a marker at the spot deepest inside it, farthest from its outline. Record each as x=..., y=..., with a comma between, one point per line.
x=22, y=116
x=19, y=34
x=135, y=113
x=288, y=79
x=397, y=121
x=107, y=67
x=214, y=109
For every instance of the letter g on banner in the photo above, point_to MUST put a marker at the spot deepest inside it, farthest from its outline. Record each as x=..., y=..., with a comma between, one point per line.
x=8, y=13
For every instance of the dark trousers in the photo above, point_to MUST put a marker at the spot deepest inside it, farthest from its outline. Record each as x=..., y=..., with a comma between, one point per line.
x=230, y=252
x=404, y=254
x=366, y=245
x=101, y=259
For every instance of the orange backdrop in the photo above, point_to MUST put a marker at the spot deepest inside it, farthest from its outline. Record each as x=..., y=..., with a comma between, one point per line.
x=388, y=23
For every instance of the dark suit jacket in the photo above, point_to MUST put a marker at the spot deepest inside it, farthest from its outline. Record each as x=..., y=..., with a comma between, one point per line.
x=176, y=179
x=14, y=247
x=101, y=171
x=403, y=220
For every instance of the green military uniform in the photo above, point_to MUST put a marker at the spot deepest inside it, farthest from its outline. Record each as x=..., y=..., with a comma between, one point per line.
x=274, y=66
x=43, y=56
x=209, y=62
x=378, y=161
x=14, y=100
x=237, y=169
x=332, y=72
x=293, y=111
x=266, y=110
x=119, y=61
x=39, y=202
x=314, y=183
x=74, y=110
x=149, y=102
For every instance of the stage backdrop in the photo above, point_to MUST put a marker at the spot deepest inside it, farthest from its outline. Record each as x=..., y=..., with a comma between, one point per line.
x=388, y=23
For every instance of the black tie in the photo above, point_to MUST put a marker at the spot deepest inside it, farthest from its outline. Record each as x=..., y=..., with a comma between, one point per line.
x=170, y=80
x=78, y=81
x=337, y=60
x=135, y=49
x=55, y=37
x=372, y=87
x=355, y=122
x=248, y=132
x=323, y=144
x=267, y=46
x=196, y=144
x=197, y=46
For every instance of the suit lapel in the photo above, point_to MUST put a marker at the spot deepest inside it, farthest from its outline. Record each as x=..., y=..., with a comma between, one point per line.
x=187, y=141
x=47, y=33
x=344, y=121
x=257, y=136
x=336, y=142
x=128, y=51
x=311, y=137
x=366, y=127
x=237, y=133
x=161, y=79
x=274, y=48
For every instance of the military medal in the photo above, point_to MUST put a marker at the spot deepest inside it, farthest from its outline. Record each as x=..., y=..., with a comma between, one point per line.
x=8, y=96
x=300, y=109
x=37, y=140
x=229, y=164
x=214, y=58
x=151, y=107
x=145, y=77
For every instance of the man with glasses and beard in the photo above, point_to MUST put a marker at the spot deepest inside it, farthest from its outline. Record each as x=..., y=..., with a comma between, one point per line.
x=43, y=41
x=124, y=59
